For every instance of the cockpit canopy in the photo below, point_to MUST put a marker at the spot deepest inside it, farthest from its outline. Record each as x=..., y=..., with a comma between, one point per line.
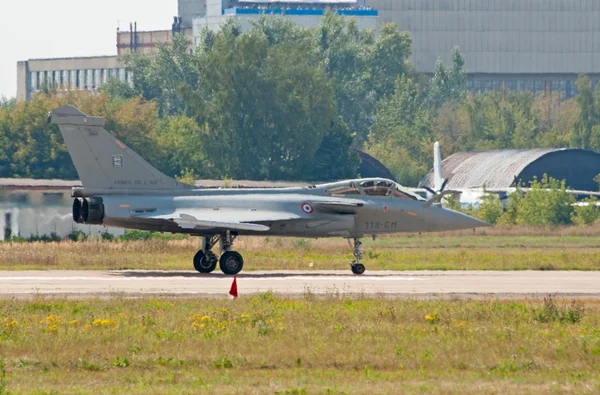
x=369, y=187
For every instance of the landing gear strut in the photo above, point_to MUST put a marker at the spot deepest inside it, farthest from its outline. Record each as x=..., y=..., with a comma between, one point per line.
x=231, y=262
x=355, y=265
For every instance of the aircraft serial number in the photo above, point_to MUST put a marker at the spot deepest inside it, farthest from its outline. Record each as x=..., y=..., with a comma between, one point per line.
x=380, y=225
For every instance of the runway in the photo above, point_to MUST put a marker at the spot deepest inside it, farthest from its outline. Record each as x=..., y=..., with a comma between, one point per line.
x=509, y=284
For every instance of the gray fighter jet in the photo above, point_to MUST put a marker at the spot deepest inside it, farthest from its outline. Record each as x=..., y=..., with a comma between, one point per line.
x=122, y=189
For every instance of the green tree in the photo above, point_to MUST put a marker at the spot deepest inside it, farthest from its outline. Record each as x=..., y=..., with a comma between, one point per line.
x=117, y=89
x=490, y=209
x=334, y=160
x=546, y=203
x=162, y=75
x=266, y=103
x=449, y=84
x=401, y=137
x=589, y=115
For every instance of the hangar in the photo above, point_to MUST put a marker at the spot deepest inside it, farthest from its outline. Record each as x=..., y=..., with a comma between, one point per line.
x=501, y=168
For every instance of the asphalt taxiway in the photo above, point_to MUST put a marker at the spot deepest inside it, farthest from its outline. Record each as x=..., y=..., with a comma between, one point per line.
x=512, y=284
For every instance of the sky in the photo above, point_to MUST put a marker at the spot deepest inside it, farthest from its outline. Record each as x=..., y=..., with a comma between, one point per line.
x=32, y=29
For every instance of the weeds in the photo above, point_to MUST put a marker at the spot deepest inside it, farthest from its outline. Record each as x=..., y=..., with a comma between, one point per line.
x=3, y=384
x=352, y=345
x=430, y=252
x=551, y=311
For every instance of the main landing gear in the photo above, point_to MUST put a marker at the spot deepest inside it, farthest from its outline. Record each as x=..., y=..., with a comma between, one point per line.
x=355, y=265
x=231, y=262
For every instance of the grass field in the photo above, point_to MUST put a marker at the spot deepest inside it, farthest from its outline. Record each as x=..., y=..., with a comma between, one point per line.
x=268, y=344
x=575, y=248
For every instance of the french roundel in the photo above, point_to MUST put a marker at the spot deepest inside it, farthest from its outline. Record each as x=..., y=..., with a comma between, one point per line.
x=307, y=208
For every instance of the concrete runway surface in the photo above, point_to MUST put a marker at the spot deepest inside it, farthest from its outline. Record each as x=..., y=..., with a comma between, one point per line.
x=513, y=284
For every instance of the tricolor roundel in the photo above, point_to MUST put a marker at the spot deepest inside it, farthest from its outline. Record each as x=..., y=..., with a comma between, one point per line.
x=307, y=208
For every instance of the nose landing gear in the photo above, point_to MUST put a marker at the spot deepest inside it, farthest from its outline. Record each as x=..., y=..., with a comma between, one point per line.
x=355, y=265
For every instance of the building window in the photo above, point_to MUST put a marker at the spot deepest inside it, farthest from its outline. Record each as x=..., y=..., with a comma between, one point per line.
x=569, y=89
x=52, y=197
x=18, y=198
x=78, y=79
x=33, y=77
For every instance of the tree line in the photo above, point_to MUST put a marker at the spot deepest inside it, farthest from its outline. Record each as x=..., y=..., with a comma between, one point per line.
x=281, y=102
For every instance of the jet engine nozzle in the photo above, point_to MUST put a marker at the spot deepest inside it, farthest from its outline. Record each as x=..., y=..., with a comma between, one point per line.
x=77, y=203
x=92, y=211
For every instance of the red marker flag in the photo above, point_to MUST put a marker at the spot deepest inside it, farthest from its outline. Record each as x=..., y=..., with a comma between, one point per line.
x=233, y=291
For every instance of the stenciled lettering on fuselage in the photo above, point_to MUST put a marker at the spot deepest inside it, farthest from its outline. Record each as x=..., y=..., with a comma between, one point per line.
x=380, y=224
x=136, y=182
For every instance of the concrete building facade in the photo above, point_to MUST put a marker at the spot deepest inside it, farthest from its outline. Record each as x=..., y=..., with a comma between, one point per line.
x=88, y=73
x=532, y=45
x=146, y=41
x=212, y=14
x=84, y=73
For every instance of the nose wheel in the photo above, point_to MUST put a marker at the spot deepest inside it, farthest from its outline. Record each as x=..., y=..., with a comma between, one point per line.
x=355, y=265
x=357, y=268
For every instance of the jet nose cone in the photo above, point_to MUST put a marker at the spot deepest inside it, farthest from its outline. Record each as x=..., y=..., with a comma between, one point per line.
x=455, y=221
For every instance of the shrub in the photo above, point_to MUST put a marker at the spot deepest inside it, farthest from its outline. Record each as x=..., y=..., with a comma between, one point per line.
x=587, y=213
x=490, y=210
x=546, y=203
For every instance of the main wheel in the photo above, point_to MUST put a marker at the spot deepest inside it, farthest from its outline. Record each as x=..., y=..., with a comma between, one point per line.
x=205, y=263
x=231, y=262
x=358, y=268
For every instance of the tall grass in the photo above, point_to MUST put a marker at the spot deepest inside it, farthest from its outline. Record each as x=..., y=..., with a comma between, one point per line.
x=269, y=344
x=556, y=251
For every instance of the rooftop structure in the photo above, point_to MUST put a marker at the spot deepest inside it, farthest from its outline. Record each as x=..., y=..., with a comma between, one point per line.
x=81, y=73
x=305, y=13
x=502, y=168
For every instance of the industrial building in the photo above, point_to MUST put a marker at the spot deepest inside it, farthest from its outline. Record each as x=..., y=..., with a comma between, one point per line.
x=89, y=73
x=532, y=45
x=212, y=14
x=529, y=45
x=498, y=169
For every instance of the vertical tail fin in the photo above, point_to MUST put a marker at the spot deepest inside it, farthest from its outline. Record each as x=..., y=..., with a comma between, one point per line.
x=438, y=179
x=101, y=160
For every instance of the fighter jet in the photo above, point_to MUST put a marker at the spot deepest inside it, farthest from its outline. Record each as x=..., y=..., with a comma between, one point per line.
x=121, y=189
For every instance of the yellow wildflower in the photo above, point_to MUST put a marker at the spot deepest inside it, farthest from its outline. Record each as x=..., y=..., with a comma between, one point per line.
x=53, y=321
x=103, y=323
x=9, y=323
x=433, y=317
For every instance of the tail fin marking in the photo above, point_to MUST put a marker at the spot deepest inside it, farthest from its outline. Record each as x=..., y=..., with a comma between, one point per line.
x=101, y=160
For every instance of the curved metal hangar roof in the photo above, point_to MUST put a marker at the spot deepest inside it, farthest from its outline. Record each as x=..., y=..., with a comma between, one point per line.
x=500, y=168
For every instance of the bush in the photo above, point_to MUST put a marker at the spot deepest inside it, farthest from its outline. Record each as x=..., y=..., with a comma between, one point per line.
x=546, y=203
x=136, y=235
x=77, y=235
x=490, y=210
x=587, y=213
